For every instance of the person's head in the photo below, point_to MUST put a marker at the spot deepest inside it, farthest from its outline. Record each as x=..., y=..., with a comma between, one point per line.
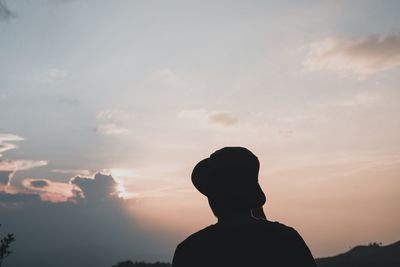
x=229, y=179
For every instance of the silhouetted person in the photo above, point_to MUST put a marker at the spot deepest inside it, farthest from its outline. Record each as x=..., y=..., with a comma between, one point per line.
x=229, y=179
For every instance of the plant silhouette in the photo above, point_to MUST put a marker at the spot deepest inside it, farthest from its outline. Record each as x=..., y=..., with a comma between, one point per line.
x=5, y=246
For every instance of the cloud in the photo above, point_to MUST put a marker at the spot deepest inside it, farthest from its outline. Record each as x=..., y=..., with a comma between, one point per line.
x=230, y=129
x=98, y=188
x=73, y=171
x=6, y=146
x=114, y=114
x=5, y=177
x=111, y=129
x=99, y=232
x=51, y=191
x=362, y=57
x=9, y=167
x=5, y=13
x=222, y=118
x=18, y=165
x=5, y=140
x=40, y=183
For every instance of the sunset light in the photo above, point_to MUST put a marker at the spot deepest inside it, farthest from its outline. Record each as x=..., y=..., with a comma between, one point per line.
x=106, y=107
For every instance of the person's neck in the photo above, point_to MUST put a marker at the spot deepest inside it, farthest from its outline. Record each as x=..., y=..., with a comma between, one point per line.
x=236, y=217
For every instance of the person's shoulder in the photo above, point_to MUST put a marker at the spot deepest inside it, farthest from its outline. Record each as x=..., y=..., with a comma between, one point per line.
x=277, y=227
x=198, y=236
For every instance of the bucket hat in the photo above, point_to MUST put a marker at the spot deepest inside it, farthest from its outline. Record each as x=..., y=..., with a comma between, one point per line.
x=231, y=174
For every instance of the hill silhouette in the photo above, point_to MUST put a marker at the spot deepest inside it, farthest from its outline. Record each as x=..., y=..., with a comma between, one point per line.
x=373, y=255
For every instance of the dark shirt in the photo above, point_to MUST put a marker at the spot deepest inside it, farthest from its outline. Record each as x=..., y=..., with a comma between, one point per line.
x=251, y=244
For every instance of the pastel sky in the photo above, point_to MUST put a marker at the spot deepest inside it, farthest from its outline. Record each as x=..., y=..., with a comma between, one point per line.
x=140, y=91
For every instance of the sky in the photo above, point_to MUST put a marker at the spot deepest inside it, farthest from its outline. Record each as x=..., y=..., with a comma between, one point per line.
x=106, y=107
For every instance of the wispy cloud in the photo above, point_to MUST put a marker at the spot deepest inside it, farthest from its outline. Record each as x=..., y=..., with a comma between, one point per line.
x=5, y=140
x=19, y=165
x=5, y=12
x=111, y=129
x=112, y=116
x=362, y=57
x=72, y=171
x=98, y=187
x=252, y=126
x=222, y=118
x=9, y=167
x=50, y=190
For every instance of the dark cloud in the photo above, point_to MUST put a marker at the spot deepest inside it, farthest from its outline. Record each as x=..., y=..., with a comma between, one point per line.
x=362, y=56
x=5, y=177
x=99, y=188
x=80, y=233
x=5, y=12
x=39, y=183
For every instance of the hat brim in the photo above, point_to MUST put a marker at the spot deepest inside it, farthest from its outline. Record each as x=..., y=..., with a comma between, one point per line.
x=201, y=176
